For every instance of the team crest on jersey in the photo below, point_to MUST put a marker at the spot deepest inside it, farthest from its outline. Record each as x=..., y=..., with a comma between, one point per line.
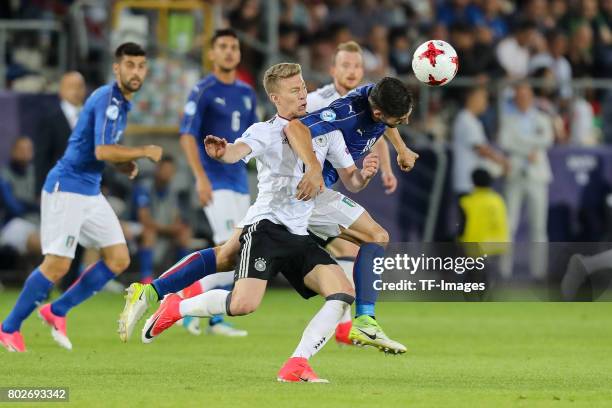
x=112, y=112
x=247, y=102
x=190, y=108
x=321, y=141
x=260, y=264
x=328, y=115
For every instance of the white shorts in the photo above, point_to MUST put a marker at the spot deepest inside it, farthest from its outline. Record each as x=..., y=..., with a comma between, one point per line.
x=227, y=209
x=16, y=233
x=333, y=210
x=68, y=218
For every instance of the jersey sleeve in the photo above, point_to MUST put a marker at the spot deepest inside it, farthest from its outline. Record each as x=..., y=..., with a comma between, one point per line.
x=257, y=139
x=338, y=154
x=106, y=115
x=320, y=122
x=193, y=112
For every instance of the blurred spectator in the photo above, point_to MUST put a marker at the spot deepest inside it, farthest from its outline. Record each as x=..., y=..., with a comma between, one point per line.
x=400, y=56
x=538, y=12
x=581, y=52
x=458, y=11
x=513, y=51
x=553, y=57
x=546, y=96
x=492, y=18
x=376, y=53
x=484, y=215
x=18, y=197
x=294, y=13
x=469, y=142
x=475, y=59
x=55, y=126
x=526, y=134
x=156, y=207
x=288, y=41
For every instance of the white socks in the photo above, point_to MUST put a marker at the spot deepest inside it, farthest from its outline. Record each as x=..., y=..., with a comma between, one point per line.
x=321, y=328
x=205, y=305
x=217, y=280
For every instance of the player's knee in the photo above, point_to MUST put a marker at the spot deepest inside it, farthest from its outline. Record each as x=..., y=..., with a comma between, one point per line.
x=240, y=306
x=55, y=267
x=118, y=264
x=380, y=236
x=226, y=260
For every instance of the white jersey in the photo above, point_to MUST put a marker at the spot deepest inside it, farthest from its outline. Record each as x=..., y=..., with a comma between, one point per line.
x=321, y=98
x=279, y=170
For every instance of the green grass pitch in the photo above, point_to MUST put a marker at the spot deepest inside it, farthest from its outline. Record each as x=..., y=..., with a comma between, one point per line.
x=460, y=355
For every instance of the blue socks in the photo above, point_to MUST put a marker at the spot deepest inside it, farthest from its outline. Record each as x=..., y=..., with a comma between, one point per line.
x=90, y=282
x=186, y=271
x=364, y=277
x=145, y=256
x=35, y=290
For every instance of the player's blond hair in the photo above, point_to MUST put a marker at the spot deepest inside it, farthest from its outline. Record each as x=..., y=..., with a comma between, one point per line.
x=275, y=73
x=349, y=46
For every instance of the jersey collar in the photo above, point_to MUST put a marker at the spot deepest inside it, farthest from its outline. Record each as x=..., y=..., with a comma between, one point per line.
x=122, y=101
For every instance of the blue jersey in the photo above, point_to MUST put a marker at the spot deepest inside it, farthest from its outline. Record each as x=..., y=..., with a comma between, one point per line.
x=353, y=117
x=101, y=122
x=223, y=110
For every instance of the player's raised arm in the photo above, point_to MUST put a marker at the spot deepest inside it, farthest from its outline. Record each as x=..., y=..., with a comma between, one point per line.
x=386, y=172
x=300, y=140
x=218, y=149
x=406, y=158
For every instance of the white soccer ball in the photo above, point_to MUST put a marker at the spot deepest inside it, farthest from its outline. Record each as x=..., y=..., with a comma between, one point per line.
x=435, y=63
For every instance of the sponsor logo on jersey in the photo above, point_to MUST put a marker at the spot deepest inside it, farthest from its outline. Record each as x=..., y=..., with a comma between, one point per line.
x=220, y=101
x=260, y=264
x=112, y=112
x=190, y=108
x=350, y=109
x=349, y=202
x=328, y=115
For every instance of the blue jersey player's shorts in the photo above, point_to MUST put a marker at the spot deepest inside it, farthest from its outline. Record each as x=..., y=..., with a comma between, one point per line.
x=68, y=218
x=333, y=210
x=227, y=209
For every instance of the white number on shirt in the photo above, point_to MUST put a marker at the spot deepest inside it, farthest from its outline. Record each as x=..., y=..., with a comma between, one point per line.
x=235, y=121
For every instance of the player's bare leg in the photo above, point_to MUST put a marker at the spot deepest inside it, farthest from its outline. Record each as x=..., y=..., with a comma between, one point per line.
x=188, y=270
x=372, y=239
x=331, y=283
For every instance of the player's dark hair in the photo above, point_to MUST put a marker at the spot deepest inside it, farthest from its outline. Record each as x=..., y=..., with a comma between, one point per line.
x=392, y=97
x=481, y=178
x=130, y=49
x=224, y=32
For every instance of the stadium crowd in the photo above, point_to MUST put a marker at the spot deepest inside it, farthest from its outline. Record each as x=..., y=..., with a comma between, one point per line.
x=553, y=42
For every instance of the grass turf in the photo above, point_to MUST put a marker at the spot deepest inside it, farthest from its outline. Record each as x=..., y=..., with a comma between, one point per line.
x=460, y=355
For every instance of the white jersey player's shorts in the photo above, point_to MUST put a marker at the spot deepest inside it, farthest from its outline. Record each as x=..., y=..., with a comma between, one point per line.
x=68, y=218
x=16, y=232
x=333, y=210
x=225, y=212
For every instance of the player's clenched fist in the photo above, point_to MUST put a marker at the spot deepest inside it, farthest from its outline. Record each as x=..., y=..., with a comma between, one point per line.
x=153, y=153
x=370, y=166
x=406, y=159
x=215, y=146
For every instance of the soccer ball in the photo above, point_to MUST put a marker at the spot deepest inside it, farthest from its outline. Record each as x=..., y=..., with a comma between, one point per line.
x=435, y=63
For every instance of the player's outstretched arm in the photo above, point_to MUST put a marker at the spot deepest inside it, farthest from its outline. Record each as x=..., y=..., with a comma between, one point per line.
x=406, y=158
x=120, y=154
x=300, y=140
x=355, y=179
x=386, y=172
x=219, y=149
